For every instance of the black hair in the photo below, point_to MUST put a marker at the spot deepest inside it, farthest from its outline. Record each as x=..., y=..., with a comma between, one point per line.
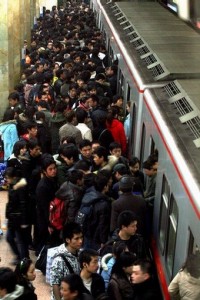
x=118, y=247
x=43, y=104
x=86, y=256
x=70, y=229
x=116, y=98
x=75, y=284
x=7, y=279
x=70, y=115
x=40, y=115
x=46, y=161
x=82, y=165
x=18, y=146
x=69, y=151
x=112, y=112
x=32, y=143
x=133, y=161
x=84, y=143
x=101, y=152
x=145, y=266
x=126, y=259
x=22, y=269
x=75, y=175
x=68, y=139
x=100, y=182
x=125, y=218
x=30, y=125
x=14, y=96
x=12, y=172
x=114, y=145
x=81, y=115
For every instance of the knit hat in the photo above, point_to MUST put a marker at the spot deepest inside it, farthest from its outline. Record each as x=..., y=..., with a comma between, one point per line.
x=126, y=183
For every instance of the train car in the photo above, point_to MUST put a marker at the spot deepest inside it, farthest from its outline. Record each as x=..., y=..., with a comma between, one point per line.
x=159, y=72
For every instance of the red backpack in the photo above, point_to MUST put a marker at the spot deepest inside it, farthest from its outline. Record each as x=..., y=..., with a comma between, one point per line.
x=57, y=214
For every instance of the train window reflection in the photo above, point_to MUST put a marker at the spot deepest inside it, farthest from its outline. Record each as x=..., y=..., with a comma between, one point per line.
x=142, y=142
x=164, y=213
x=171, y=239
x=192, y=245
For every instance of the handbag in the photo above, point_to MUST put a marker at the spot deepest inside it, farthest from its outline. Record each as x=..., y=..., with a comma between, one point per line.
x=41, y=261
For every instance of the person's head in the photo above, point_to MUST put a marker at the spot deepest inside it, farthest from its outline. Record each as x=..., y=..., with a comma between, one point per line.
x=101, y=184
x=13, y=99
x=119, y=247
x=76, y=177
x=93, y=101
x=192, y=265
x=73, y=236
x=95, y=145
x=119, y=170
x=25, y=269
x=127, y=222
x=48, y=165
x=134, y=165
x=7, y=281
x=33, y=148
x=142, y=271
x=12, y=175
x=100, y=156
x=124, y=264
x=82, y=165
x=115, y=149
x=150, y=168
x=68, y=140
x=126, y=183
x=19, y=148
x=113, y=113
x=40, y=116
x=81, y=115
x=117, y=100
x=88, y=260
x=69, y=153
x=85, y=148
x=31, y=128
x=71, y=287
x=42, y=104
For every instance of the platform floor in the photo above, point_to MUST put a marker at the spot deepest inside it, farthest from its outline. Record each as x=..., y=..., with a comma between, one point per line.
x=42, y=289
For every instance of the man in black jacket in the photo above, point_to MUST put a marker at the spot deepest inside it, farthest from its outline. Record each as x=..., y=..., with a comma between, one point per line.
x=143, y=285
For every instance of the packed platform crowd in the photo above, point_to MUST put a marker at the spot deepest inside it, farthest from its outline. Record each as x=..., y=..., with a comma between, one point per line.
x=69, y=174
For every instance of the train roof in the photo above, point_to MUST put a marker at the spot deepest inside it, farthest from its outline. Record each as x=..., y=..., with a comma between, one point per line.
x=167, y=46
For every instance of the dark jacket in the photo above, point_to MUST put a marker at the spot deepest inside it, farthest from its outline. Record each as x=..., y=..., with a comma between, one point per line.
x=17, y=206
x=45, y=192
x=99, y=220
x=97, y=286
x=71, y=194
x=128, y=201
x=44, y=137
x=57, y=121
x=146, y=291
x=28, y=290
x=120, y=288
x=99, y=113
x=103, y=136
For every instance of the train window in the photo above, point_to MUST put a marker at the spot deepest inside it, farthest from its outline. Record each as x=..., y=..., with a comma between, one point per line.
x=171, y=239
x=192, y=245
x=143, y=138
x=132, y=127
x=121, y=85
x=164, y=213
x=152, y=150
x=128, y=92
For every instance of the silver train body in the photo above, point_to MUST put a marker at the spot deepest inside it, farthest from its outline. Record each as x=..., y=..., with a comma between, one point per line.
x=159, y=72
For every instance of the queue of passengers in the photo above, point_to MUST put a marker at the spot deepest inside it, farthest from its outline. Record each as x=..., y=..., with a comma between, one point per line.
x=65, y=136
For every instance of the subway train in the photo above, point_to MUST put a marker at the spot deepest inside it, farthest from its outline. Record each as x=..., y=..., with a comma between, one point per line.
x=159, y=72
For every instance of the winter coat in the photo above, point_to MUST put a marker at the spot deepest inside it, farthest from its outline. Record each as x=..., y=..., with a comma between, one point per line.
x=44, y=137
x=97, y=227
x=184, y=287
x=17, y=206
x=97, y=286
x=97, y=114
x=120, y=288
x=118, y=133
x=71, y=194
x=69, y=130
x=57, y=121
x=45, y=192
x=28, y=289
x=146, y=291
x=107, y=263
x=9, y=135
x=128, y=201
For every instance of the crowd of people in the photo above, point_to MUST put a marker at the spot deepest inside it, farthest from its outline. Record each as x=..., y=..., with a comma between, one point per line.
x=66, y=136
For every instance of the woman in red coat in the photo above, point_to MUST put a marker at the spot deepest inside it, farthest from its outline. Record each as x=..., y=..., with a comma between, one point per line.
x=116, y=127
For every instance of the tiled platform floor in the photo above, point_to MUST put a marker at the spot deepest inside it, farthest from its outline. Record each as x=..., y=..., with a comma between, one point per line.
x=42, y=289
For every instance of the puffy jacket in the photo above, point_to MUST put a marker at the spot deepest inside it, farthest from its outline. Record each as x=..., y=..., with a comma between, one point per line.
x=8, y=131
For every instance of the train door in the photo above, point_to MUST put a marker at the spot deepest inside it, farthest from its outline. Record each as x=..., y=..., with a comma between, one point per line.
x=194, y=6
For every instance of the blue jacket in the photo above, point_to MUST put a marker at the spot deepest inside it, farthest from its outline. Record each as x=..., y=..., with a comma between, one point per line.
x=8, y=131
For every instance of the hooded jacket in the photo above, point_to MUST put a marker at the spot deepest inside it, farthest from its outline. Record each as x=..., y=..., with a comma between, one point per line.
x=118, y=133
x=16, y=294
x=8, y=131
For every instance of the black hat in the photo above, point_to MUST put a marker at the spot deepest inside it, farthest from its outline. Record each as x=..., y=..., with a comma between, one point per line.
x=120, y=168
x=126, y=183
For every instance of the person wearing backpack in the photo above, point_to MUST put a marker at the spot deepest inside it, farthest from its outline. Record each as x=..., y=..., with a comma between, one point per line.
x=97, y=219
x=65, y=260
x=64, y=206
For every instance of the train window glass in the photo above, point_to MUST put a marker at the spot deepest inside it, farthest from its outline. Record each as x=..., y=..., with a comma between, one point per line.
x=152, y=150
x=164, y=213
x=128, y=92
x=171, y=239
x=121, y=85
x=132, y=127
x=143, y=138
x=192, y=245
